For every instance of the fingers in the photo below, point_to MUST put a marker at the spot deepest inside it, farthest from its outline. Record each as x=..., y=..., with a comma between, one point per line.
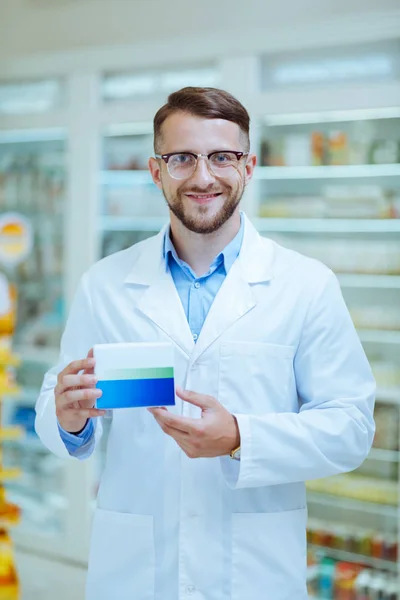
x=85, y=396
x=176, y=422
x=72, y=381
x=88, y=413
x=200, y=400
x=79, y=365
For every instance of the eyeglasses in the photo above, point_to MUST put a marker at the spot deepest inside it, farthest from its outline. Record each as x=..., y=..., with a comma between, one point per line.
x=182, y=165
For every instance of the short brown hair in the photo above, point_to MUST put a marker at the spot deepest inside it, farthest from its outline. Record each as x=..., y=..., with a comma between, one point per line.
x=210, y=103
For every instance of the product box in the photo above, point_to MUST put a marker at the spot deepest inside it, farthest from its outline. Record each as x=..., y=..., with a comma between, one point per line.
x=133, y=375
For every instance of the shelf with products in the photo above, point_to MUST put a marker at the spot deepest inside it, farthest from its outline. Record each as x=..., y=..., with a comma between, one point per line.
x=384, y=455
x=33, y=184
x=297, y=225
x=380, y=282
x=335, y=579
x=126, y=223
x=351, y=504
x=359, y=488
x=352, y=557
x=379, y=337
x=328, y=172
x=360, y=143
x=11, y=434
x=38, y=354
x=121, y=177
x=388, y=395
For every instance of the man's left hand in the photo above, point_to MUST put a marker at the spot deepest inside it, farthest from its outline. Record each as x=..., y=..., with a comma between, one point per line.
x=216, y=433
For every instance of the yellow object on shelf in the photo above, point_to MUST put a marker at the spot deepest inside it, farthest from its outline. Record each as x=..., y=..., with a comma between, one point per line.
x=7, y=359
x=10, y=592
x=10, y=513
x=11, y=433
x=8, y=576
x=8, y=474
x=356, y=487
x=9, y=390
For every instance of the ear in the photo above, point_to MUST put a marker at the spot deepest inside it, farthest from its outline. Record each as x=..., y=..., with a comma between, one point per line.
x=249, y=168
x=155, y=170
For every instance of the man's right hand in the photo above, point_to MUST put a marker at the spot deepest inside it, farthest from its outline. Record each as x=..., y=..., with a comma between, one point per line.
x=76, y=395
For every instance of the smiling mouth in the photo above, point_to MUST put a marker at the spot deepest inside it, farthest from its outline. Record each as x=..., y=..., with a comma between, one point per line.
x=203, y=197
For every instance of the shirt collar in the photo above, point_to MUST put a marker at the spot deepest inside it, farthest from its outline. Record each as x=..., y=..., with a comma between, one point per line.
x=228, y=255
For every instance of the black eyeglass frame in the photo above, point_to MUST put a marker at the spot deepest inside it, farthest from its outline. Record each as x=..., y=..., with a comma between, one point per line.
x=166, y=157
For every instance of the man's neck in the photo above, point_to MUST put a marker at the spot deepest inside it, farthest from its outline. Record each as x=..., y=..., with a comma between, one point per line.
x=199, y=250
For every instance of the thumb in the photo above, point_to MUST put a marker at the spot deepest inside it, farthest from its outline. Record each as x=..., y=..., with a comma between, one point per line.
x=200, y=400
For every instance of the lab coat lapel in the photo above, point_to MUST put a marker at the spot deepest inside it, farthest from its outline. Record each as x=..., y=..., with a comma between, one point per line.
x=233, y=300
x=235, y=297
x=160, y=302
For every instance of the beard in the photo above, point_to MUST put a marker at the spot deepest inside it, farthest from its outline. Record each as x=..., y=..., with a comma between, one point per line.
x=202, y=222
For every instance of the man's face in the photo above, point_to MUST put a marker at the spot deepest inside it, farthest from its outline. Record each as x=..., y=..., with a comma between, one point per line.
x=204, y=201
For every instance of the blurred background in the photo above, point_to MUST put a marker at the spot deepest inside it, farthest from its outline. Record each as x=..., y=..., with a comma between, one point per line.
x=80, y=81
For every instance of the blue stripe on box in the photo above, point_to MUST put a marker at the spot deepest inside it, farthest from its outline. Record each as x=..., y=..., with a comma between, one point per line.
x=127, y=393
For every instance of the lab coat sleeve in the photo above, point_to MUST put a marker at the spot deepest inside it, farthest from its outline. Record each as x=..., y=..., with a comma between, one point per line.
x=81, y=333
x=333, y=431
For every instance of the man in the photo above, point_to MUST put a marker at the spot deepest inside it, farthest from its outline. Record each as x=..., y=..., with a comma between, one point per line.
x=207, y=500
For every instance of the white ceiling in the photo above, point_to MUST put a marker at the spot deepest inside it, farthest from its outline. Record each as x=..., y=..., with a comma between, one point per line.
x=30, y=27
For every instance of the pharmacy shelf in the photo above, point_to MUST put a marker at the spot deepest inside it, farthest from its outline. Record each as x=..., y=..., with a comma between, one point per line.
x=31, y=443
x=8, y=434
x=372, y=336
x=353, y=557
x=37, y=354
x=352, y=504
x=388, y=395
x=331, y=116
x=369, y=281
x=9, y=392
x=384, y=455
x=130, y=223
x=111, y=223
x=328, y=172
x=7, y=524
x=9, y=474
x=26, y=396
x=289, y=225
x=125, y=178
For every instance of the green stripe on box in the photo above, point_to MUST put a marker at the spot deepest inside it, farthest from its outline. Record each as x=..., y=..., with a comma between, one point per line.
x=147, y=373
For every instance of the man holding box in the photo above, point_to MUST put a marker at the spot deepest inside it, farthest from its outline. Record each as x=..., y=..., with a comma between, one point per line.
x=206, y=499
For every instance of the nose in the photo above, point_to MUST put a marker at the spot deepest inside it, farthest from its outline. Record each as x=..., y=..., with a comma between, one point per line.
x=202, y=174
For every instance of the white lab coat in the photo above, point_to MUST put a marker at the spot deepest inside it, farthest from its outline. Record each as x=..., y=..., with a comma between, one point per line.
x=278, y=350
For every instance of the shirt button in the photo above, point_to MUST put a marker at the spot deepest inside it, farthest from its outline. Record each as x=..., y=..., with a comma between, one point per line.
x=197, y=285
x=190, y=590
x=195, y=336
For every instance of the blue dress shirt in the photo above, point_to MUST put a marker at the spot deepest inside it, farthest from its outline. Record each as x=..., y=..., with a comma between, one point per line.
x=197, y=295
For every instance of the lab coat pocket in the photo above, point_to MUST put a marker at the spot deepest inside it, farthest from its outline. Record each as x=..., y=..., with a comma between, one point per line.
x=269, y=555
x=256, y=377
x=122, y=557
